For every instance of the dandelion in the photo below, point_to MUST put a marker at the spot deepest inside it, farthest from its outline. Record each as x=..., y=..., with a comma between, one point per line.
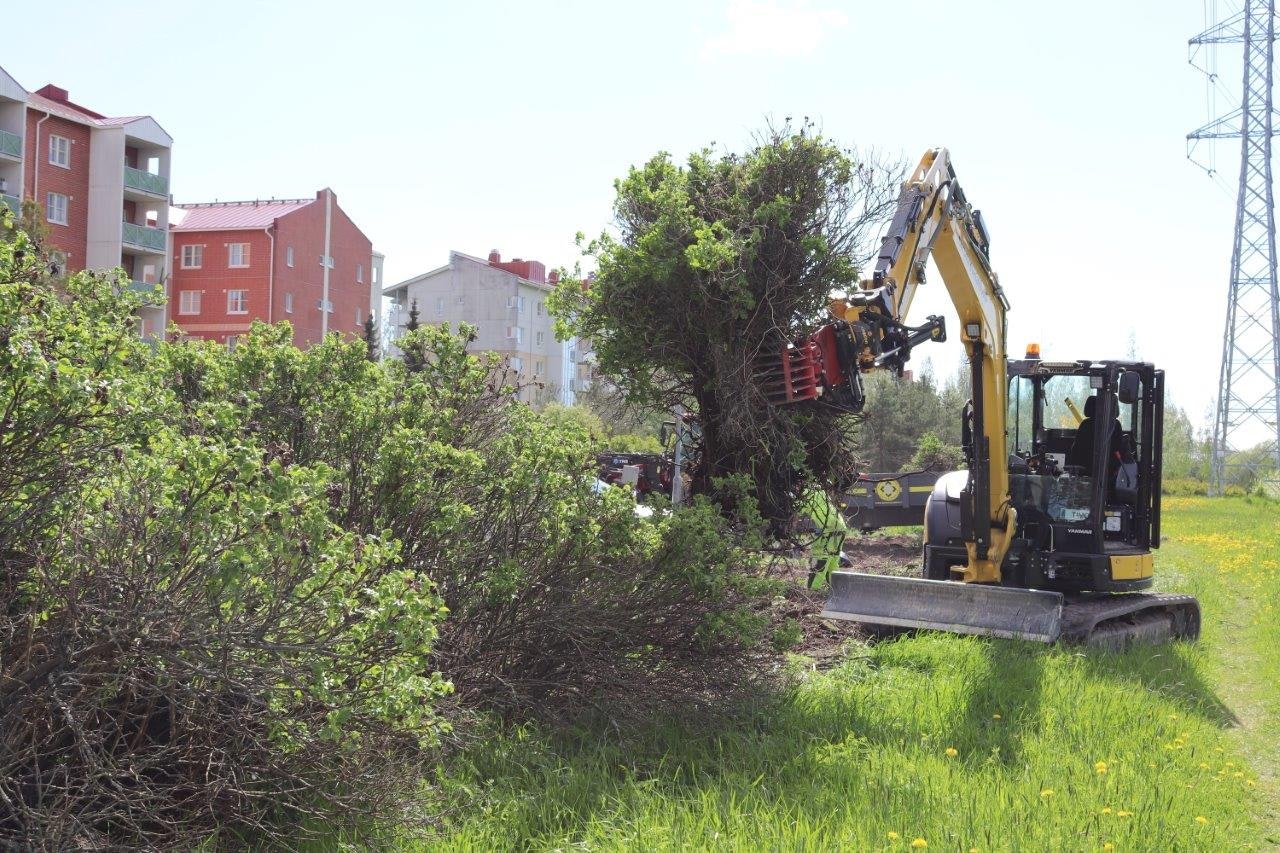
x=1201, y=819
x=1108, y=846
x=1173, y=716
x=1238, y=775
x=1204, y=766
x=1106, y=809
x=1123, y=813
x=996, y=717
x=919, y=843
x=1046, y=793
x=893, y=836
x=952, y=752
x=1100, y=767
x=1249, y=782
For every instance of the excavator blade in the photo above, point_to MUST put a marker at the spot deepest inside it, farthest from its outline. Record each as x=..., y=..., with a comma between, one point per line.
x=964, y=608
x=1107, y=621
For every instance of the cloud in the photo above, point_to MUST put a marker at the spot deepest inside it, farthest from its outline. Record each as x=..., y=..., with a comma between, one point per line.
x=784, y=28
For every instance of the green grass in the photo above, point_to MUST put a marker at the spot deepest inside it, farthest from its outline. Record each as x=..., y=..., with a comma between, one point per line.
x=859, y=752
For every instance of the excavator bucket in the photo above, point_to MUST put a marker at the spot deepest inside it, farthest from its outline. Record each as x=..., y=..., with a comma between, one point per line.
x=964, y=608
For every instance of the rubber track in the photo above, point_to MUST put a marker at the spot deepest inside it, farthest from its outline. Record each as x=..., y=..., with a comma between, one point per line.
x=1116, y=621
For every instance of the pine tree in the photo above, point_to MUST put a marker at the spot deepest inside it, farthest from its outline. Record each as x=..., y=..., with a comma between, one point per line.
x=370, y=338
x=413, y=350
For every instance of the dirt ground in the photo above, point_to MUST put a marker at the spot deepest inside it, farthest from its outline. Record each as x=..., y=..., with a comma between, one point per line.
x=823, y=640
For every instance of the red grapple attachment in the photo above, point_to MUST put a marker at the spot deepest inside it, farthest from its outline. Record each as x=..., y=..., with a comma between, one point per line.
x=792, y=375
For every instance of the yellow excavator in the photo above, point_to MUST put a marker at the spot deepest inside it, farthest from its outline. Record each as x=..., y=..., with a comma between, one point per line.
x=1048, y=532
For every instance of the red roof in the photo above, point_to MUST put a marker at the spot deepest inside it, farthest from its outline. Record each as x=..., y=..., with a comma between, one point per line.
x=234, y=215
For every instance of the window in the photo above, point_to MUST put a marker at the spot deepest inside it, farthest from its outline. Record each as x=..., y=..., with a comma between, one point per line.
x=521, y=304
x=288, y=256
x=540, y=337
x=462, y=299
x=56, y=208
x=539, y=307
x=326, y=261
x=360, y=273
x=238, y=255
x=57, y=263
x=573, y=356
x=517, y=363
x=288, y=303
x=515, y=333
x=539, y=367
x=359, y=319
x=192, y=257
x=439, y=306
x=237, y=302
x=189, y=302
x=60, y=151
x=232, y=340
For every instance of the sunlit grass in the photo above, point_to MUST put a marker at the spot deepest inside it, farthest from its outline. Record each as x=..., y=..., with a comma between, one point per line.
x=954, y=742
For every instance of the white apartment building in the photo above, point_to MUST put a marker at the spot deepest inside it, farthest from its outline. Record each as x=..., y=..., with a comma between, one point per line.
x=506, y=302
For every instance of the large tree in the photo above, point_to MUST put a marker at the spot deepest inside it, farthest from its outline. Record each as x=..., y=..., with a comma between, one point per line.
x=714, y=267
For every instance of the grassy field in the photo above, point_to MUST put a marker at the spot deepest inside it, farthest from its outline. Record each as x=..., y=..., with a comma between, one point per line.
x=952, y=743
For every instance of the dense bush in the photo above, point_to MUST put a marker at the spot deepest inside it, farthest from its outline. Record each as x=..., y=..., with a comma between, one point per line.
x=190, y=643
x=714, y=268
x=225, y=575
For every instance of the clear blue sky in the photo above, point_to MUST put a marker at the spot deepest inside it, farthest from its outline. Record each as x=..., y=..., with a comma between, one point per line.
x=485, y=125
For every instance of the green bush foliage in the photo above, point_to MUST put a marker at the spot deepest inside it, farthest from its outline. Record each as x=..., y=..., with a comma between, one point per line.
x=226, y=576
x=718, y=264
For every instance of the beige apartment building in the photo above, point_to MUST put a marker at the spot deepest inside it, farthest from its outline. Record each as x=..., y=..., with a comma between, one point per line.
x=506, y=302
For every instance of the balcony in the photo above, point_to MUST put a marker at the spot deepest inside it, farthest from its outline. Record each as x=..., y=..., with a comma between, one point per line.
x=148, y=291
x=10, y=145
x=146, y=182
x=143, y=237
x=14, y=203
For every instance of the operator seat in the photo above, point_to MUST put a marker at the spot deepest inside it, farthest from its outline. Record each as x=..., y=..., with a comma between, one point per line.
x=1081, y=452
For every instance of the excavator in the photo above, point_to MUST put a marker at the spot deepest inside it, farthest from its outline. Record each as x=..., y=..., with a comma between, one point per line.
x=1047, y=534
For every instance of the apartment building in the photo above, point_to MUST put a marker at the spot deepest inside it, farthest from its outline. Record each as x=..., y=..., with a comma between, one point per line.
x=301, y=260
x=506, y=302
x=102, y=182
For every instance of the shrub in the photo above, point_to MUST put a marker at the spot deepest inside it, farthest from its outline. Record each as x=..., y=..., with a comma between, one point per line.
x=190, y=644
x=560, y=599
x=1183, y=487
x=225, y=575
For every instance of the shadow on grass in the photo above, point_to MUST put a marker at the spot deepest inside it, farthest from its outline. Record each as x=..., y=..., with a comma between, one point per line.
x=803, y=745
x=1167, y=669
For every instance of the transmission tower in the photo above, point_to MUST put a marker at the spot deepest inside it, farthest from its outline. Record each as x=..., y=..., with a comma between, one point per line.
x=1247, y=415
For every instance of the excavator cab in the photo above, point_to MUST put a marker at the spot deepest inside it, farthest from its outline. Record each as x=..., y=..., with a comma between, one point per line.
x=1086, y=490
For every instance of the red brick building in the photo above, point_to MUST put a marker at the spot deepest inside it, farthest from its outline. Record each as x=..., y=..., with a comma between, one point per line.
x=236, y=262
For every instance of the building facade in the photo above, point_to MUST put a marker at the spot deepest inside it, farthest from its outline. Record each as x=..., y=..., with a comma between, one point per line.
x=507, y=303
x=101, y=182
x=300, y=260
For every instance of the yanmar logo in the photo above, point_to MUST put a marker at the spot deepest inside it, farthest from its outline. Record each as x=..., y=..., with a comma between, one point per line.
x=1078, y=530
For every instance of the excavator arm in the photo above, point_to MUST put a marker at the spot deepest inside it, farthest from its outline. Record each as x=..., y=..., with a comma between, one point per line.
x=868, y=332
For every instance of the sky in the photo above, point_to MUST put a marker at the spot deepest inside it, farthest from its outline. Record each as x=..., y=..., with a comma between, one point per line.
x=502, y=125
